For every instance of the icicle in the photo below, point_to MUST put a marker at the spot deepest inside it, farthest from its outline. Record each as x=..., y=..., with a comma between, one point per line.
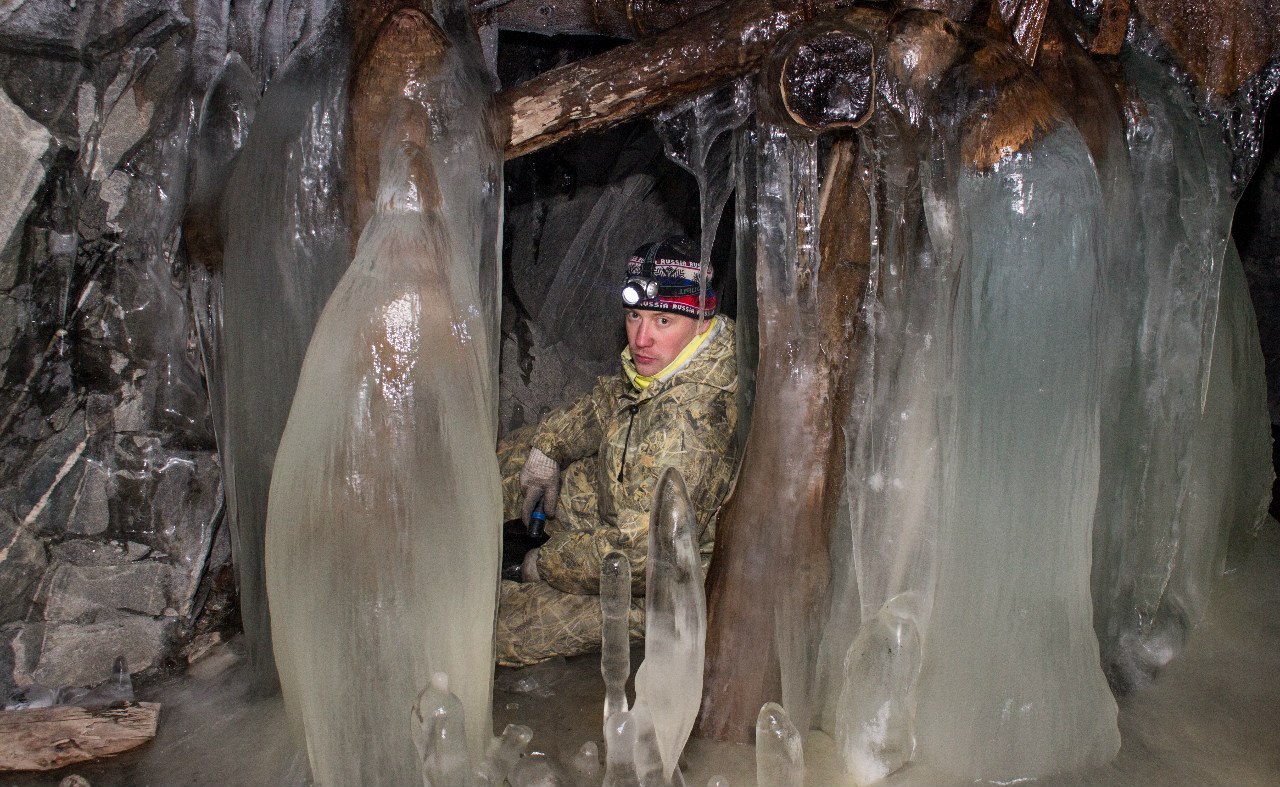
x=779, y=749
x=694, y=136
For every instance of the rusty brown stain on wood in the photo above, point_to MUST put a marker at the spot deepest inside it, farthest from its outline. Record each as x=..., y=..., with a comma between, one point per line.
x=1113, y=26
x=44, y=739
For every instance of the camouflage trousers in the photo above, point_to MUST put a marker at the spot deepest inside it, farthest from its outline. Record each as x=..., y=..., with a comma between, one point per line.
x=535, y=620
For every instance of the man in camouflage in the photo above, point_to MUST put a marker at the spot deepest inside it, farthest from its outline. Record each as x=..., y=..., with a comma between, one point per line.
x=673, y=405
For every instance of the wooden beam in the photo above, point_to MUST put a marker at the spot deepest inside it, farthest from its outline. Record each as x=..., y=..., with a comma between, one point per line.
x=44, y=739
x=593, y=94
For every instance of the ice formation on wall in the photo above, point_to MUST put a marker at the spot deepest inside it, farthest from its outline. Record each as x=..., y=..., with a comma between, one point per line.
x=383, y=535
x=1164, y=533
x=286, y=248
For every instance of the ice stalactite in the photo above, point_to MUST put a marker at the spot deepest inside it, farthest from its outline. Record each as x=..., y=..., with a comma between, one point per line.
x=695, y=135
x=383, y=541
x=285, y=249
x=1153, y=559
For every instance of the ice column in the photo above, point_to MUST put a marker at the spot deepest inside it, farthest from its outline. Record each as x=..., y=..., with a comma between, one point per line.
x=669, y=681
x=1010, y=685
x=383, y=542
x=883, y=546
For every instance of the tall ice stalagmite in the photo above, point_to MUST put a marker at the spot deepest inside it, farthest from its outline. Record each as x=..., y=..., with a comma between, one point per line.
x=383, y=527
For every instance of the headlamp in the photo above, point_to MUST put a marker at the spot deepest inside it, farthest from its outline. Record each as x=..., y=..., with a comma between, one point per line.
x=638, y=289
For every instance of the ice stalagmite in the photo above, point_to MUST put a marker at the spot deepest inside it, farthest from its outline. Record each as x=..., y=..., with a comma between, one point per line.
x=669, y=681
x=615, y=639
x=779, y=749
x=286, y=248
x=439, y=734
x=1010, y=685
x=620, y=745
x=504, y=751
x=383, y=540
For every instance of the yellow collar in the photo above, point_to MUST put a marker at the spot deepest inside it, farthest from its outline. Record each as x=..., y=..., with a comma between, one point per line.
x=641, y=382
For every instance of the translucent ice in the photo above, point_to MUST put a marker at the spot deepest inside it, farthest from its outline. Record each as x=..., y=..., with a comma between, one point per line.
x=538, y=770
x=669, y=681
x=1011, y=673
x=586, y=767
x=779, y=749
x=385, y=507
x=439, y=734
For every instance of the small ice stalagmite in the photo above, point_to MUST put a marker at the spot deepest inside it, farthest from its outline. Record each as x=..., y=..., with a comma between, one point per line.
x=669, y=681
x=586, y=767
x=615, y=649
x=876, y=732
x=620, y=737
x=779, y=749
x=502, y=755
x=439, y=734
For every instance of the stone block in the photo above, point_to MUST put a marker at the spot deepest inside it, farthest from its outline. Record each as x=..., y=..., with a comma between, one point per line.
x=90, y=552
x=88, y=594
x=71, y=654
x=22, y=562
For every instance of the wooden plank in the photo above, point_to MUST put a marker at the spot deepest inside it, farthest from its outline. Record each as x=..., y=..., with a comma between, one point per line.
x=44, y=739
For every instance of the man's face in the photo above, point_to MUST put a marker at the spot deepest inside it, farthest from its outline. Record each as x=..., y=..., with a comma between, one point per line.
x=656, y=338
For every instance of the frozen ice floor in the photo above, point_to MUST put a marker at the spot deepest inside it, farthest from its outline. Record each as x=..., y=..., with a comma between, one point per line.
x=1212, y=717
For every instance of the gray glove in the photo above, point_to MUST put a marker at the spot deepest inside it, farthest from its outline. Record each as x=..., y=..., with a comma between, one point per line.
x=539, y=480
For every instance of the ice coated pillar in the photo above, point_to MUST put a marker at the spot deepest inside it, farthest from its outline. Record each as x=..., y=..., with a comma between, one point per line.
x=1011, y=685
x=385, y=508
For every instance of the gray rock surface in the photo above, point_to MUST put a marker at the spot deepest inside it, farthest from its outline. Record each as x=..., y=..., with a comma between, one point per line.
x=23, y=142
x=22, y=562
x=85, y=29
x=89, y=594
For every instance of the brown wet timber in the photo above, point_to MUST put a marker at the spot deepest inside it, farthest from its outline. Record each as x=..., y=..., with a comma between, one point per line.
x=46, y=739
x=707, y=50
x=1086, y=94
x=1023, y=21
x=826, y=72
x=617, y=18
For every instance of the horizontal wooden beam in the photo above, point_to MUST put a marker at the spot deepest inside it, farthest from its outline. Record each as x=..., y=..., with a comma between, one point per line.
x=706, y=51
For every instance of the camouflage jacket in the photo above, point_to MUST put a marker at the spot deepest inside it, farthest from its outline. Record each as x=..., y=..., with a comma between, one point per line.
x=686, y=421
